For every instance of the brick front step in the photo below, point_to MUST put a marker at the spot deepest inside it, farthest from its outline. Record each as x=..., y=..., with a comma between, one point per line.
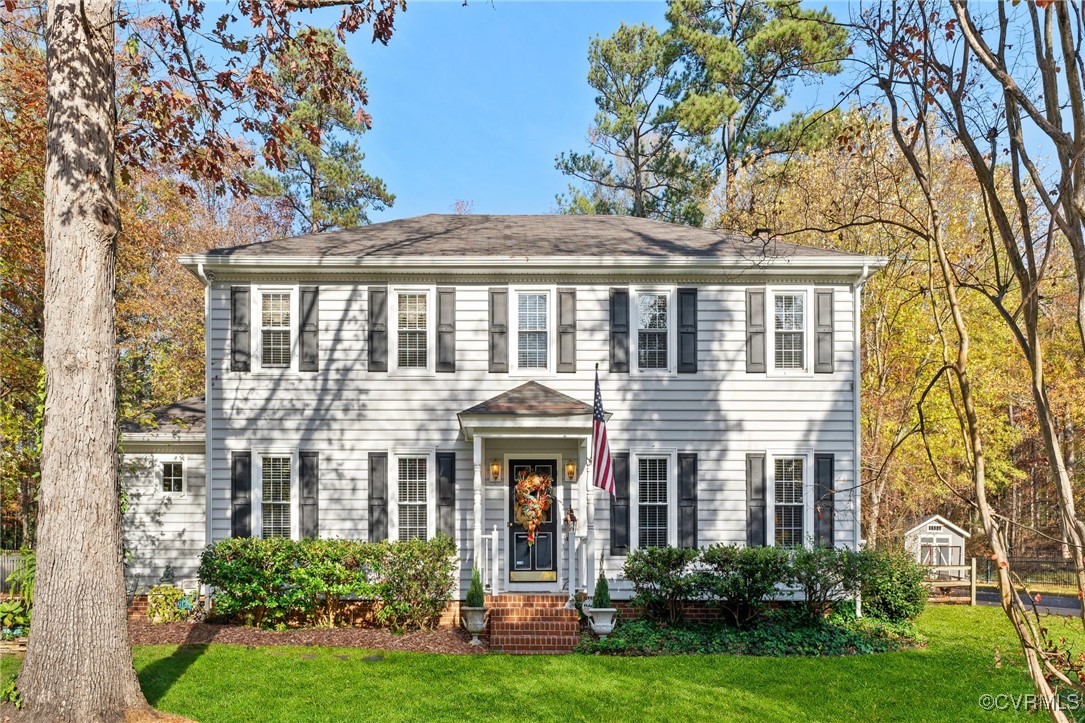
x=532, y=624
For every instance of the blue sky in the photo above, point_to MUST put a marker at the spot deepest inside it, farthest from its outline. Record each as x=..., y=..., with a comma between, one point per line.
x=474, y=102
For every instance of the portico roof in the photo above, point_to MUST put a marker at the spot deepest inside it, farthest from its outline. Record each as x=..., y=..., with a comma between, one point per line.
x=531, y=409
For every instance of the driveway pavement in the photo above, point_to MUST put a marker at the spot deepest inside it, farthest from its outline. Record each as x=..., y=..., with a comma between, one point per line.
x=1049, y=604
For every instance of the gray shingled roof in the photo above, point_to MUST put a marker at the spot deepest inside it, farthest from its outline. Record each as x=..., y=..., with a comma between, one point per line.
x=519, y=236
x=186, y=415
x=531, y=398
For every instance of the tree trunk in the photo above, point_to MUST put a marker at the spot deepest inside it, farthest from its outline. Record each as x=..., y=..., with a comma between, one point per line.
x=79, y=663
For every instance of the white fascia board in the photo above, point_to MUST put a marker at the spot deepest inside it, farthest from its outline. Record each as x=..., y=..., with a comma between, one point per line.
x=851, y=266
x=525, y=425
x=142, y=442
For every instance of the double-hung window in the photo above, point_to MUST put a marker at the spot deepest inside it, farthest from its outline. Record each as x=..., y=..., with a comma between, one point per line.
x=789, y=331
x=414, y=517
x=276, y=495
x=275, y=329
x=413, y=330
x=654, y=491
x=173, y=476
x=532, y=325
x=653, y=322
x=789, y=508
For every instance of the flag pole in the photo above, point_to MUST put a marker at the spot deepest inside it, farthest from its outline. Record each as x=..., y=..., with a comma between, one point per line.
x=589, y=562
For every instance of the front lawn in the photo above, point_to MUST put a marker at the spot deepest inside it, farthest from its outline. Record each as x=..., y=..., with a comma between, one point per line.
x=942, y=681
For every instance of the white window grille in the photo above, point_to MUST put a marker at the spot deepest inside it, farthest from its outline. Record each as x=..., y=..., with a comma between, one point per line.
x=275, y=487
x=412, y=500
x=412, y=313
x=652, y=331
x=788, y=475
x=652, y=513
x=532, y=325
x=790, y=331
x=275, y=329
x=173, y=477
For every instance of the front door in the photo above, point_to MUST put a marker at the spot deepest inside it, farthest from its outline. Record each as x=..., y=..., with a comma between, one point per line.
x=533, y=562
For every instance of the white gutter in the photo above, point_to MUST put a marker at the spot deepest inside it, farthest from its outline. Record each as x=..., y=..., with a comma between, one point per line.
x=208, y=415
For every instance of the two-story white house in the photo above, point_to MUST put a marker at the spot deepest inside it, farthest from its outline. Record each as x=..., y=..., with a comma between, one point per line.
x=393, y=380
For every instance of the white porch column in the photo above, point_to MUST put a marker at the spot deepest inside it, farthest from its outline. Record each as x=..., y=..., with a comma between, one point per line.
x=476, y=542
x=589, y=542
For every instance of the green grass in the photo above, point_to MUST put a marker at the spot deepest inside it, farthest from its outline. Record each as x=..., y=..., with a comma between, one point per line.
x=942, y=681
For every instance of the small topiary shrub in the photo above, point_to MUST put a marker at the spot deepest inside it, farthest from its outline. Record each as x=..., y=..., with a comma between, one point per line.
x=476, y=596
x=164, y=604
x=601, y=598
x=741, y=580
x=893, y=585
x=825, y=577
x=662, y=580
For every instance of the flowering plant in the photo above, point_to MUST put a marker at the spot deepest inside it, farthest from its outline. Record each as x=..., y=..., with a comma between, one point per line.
x=532, y=501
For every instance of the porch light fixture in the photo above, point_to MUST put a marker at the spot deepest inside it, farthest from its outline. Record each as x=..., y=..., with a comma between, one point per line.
x=495, y=470
x=570, y=470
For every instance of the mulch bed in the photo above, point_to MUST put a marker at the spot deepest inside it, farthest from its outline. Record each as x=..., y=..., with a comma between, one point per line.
x=443, y=640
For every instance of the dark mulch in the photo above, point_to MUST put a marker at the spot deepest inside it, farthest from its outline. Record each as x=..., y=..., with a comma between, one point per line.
x=442, y=640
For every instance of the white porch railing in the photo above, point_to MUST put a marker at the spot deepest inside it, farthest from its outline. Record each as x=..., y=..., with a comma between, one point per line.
x=490, y=561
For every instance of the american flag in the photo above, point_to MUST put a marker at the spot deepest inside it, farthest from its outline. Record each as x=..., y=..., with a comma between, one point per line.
x=602, y=470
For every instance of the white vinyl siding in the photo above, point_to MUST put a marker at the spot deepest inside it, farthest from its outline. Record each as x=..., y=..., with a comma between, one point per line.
x=275, y=495
x=533, y=330
x=173, y=477
x=652, y=507
x=412, y=483
x=789, y=513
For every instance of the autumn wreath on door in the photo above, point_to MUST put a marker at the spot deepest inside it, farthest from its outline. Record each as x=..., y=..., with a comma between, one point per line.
x=532, y=501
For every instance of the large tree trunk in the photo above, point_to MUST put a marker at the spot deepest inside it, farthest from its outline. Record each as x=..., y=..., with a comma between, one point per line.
x=79, y=663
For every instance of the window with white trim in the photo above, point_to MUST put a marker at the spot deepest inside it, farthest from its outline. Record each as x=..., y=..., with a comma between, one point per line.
x=412, y=315
x=412, y=485
x=532, y=330
x=275, y=329
x=653, y=329
x=276, y=498
x=789, y=331
x=652, y=502
x=173, y=476
x=789, y=509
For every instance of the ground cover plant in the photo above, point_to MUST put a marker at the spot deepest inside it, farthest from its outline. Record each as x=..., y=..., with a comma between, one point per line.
x=970, y=652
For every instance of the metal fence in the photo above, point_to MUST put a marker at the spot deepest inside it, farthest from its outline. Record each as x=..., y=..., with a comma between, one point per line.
x=1056, y=571
x=8, y=562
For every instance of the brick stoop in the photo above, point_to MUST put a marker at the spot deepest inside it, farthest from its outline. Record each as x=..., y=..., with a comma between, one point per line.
x=532, y=624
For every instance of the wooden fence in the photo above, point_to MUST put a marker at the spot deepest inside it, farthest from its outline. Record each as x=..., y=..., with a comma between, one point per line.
x=8, y=562
x=941, y=579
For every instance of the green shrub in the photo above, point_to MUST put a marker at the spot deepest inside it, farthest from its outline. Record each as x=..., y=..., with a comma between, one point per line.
x=741, y=580
x=662, y=580
x=164, y=604
x=14, y=614
x=21, y=578
x=326, y=572
x=253, y=579
x=415, y=581
x=893, y=585
x=601, y=597
x=476, y=596
x=825, y=576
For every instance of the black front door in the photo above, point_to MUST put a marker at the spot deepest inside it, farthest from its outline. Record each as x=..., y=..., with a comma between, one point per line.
x=537, y=562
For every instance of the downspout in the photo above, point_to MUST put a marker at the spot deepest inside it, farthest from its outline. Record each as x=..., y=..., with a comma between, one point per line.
x=208, y=416
x=857, y=377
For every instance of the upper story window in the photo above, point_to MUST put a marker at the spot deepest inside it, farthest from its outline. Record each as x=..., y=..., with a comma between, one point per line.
x=532, y=326
x=789, y=331
x=173, y=477
x=276, y=509
x=654, y=325
x=789, y=509
x=275, y=329
x=413, y=330
x=413, y=497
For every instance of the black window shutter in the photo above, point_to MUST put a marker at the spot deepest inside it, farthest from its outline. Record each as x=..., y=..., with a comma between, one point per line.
x=446, y=330
x=239, y=329
x=446, y=493
x=378, y=496
x=755, y=330
x=619, y=505
x=619, y=330
x=310, y=493
x=310, y=319
x=378, y=329
x=687, y=331
x=823, y=499
x=499, y=330
x=566, y=330
x=241, y=494
x=687, y=500
x=756, y=527
x=823, y=331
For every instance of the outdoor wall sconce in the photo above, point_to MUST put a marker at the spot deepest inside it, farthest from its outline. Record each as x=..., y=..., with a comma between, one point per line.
x=570, y=470
x=495, y=470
